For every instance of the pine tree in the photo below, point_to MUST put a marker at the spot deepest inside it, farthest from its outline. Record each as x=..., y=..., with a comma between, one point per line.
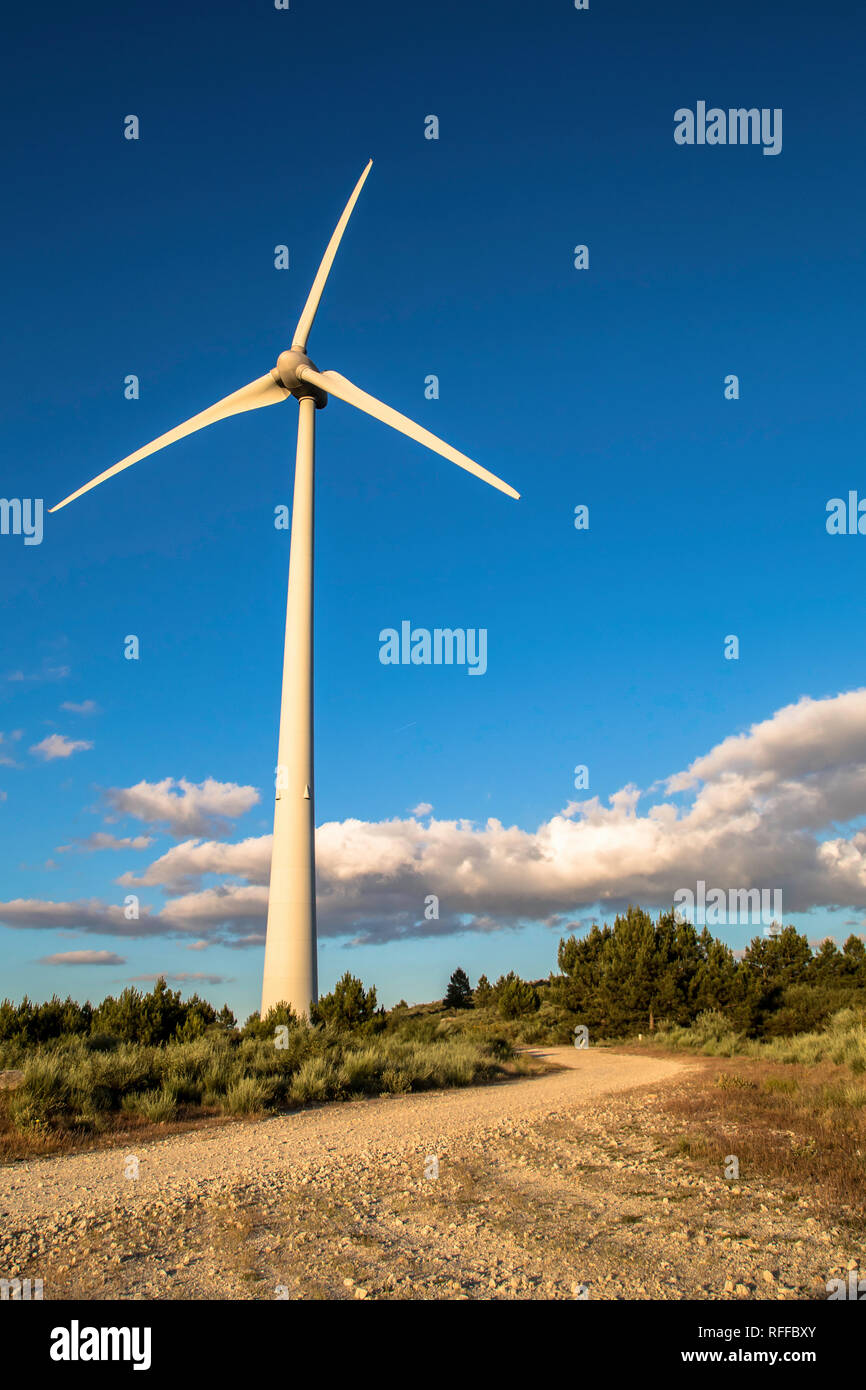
x=347, y=1005
x=515, y=997
x=483, y=993
x=458, y=995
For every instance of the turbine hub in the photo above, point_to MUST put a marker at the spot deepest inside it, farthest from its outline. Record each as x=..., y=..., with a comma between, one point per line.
x=286, y=373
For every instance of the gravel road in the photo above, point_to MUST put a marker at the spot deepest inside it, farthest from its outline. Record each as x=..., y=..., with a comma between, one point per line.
x=539, y=1187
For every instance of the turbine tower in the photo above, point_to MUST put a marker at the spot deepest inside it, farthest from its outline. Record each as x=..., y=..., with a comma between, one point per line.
x=290, y=971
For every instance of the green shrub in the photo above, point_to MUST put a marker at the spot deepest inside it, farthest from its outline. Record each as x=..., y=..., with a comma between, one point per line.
x=396, y=1080
x=347, y=1006
x=279, y=1016
x=35, y=1114
x=155, y=1106
x=246, y=1096
x=515, y=997
x=316, y=1079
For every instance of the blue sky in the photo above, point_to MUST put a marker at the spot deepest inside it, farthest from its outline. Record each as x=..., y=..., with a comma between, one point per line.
x=603, y=387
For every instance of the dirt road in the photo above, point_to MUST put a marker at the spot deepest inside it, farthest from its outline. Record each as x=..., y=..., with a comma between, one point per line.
x=554, y=1187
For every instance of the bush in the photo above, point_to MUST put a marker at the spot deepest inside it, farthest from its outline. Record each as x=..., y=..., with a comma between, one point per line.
x=278, y=1016
x=347, y=1006
x=154, y=1106
x=246, y=1096
x=515, y=997
x=315, y=1080
x=396, y=1080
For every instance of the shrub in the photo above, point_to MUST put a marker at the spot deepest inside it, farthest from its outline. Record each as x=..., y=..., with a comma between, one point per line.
x=278, y=1016
x=347, y=1006
x=156, y=1106
x=315, y=1079
x=396, y=1080
x=246, y=1096
x=515, y=997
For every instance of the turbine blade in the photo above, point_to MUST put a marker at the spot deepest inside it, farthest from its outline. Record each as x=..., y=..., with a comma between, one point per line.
x=337, y=385
x=264, y=391
x=305, y=322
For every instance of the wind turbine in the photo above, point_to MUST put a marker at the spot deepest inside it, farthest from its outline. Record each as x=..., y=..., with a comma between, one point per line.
x=290, y=972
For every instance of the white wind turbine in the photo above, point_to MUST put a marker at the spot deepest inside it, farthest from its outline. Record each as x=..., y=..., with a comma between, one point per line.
x=290, y=973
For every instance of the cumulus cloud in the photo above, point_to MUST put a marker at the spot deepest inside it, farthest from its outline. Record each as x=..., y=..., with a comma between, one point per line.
x=774, y=807
x=183, y=866
x=422, y=809
x=83, y=958
x=59, y=746
x=186, y=808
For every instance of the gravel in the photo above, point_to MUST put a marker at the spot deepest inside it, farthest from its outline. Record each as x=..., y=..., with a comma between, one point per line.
x=558, y=1186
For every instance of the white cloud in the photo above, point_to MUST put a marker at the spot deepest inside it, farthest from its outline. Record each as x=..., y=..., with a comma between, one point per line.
x=59, y=746
x=83, y=958
x=767, y=808
x=100, y=839
x=422, y=809
x=204, y=808
x=227, y=906
x=86, y=707
x=183, y=866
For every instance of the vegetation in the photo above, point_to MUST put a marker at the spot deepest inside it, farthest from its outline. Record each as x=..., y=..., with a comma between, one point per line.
x=189, y=1062
x=347, y=1006
x=842, y=1041
x=638, y=973
x=802, y=1124
x=158, y=1017
x=458, y=995
x=147, y=1059
x=514, y=997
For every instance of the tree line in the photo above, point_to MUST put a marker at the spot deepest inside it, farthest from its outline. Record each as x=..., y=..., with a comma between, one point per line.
x=639, y=971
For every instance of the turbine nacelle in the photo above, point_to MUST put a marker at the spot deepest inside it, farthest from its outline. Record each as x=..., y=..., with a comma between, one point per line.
x=286, y=374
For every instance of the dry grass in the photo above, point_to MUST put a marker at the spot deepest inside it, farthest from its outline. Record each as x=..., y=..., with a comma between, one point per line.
x=120, y=1129
x=803, y=1126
